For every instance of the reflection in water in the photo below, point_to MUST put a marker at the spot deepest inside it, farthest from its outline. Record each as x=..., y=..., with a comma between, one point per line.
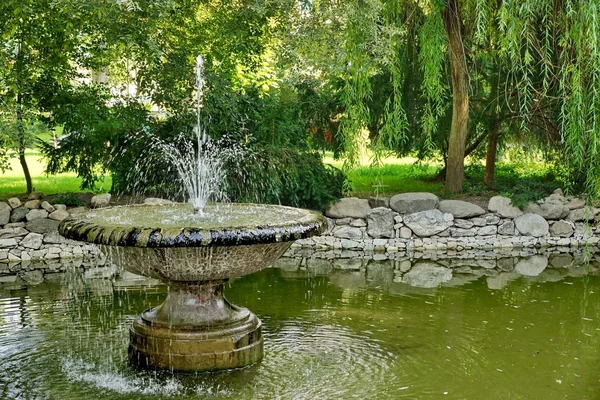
x=378, y=329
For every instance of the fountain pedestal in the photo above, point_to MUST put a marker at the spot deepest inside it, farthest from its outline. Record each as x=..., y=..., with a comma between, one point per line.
x=196, y=329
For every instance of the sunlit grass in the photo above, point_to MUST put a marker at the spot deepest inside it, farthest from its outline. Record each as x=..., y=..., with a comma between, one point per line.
x=12, y=182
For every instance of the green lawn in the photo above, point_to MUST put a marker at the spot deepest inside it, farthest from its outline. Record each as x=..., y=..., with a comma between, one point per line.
x=12, y=182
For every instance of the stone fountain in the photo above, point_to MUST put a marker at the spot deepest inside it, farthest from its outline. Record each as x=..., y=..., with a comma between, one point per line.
x=195, y=248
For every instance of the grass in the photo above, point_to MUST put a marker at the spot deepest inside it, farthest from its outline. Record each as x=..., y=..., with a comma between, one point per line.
x=12, y=182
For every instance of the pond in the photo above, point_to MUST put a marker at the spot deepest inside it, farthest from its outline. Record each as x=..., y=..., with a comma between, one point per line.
x=333, y=330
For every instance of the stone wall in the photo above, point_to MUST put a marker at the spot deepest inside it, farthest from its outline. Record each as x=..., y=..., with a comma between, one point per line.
x=413, y=222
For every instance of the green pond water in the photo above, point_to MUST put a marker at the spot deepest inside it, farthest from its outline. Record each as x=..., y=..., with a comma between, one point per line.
x=338, y=334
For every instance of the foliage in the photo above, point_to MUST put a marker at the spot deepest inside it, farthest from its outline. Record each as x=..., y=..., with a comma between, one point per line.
x=69, y=199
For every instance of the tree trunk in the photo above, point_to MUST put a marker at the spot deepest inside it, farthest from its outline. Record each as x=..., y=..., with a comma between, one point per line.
x=23, y=162
x=21, y=139
x=460, y=98
x=490, y=157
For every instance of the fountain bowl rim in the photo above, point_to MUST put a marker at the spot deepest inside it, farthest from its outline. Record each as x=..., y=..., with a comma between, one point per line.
x=76, y=227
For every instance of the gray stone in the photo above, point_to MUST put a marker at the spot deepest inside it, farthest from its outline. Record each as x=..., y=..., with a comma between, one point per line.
x=60, y=207
x=507, y=228
x=488, y=230
x=58, y=215
x=548, y=209
x=460, y=209
x=380, y=223
x=42, y=225
x=562, y=229
x=582, y=214
x=427, y=275
x=14, y=202
x=491, y=219
x=5, y=211
x=100, y=200
x=358, y=223
x=348, y=232
x=502, y=205
x=5, y=243
x=156, y=200
x=343, y=221
x=48, y=207
x=36, y=214
x=76, y=210
x=33, y=204
x=428, y=223
x=35, y=195
x=532, y=225
x=463, y=223
x=409, y=203
x=349, y=207
x=575, y=203
x=531, y=266
x=405, y=233
x=32, y=241
x=561, y=260
x=376, y=202
x=54, y=238
x=479, y=221
x=462, y=232
x=12, y=225
x=18, y=214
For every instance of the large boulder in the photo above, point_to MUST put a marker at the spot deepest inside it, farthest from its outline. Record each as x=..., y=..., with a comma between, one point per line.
x=36, y=214
x=42, y=225
x=349, y=207
x=32, y=241
x=562, y=229
x=582, y=214
x=503, y=206
x=409, y=203
x=14, y=202
x=460, y=209
x=18, y=214
x=532, y=225
x=380, y=223
x=550, y=208
x=428, y=223
x=100, y=200
x=5, y=210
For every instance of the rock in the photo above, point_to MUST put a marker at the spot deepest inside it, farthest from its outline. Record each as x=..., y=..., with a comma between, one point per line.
x=8, y=233
x=507, y=228
x=54, y=238
x=14, y=202
x=502, y=206
x=460, y=209
x=42, y=225
x=582, y=214
x=32, y=241
x=36, y=214
x=531, y=266
x=461, y=232
x=479, y=221
x=427, y=275
x=562, y=229
x=349, y=207
x=428, y=223
x=48, y=207
x=560, y=260
x=18, y=214
x=348, y=232
x=76, y=210
x=5, y=211
x=35, y=195
x=488, y=230
x=343, y=221
x=100, y=200
x=532, y=225
x=60, y=207
x=491, y=219
x=380, y=223
x=548, y=209
x=34, y=277
x=410, y=203
x=575, y=203
x=358, y=223
x=58, y=215
x=405, y=233
x=156, y=200
x=5, y=243
x=33, y=204
x=463, y=223
x=376, y=202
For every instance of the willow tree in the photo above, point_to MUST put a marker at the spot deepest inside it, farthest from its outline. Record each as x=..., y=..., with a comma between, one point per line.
x=547, y=51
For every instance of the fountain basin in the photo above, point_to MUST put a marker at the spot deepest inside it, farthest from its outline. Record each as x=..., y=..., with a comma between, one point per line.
x=195, y=328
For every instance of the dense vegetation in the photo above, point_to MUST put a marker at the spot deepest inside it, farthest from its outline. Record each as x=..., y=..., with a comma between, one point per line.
x=442, y=80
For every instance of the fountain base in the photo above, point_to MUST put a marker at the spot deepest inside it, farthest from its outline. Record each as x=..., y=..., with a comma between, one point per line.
x=196, y=329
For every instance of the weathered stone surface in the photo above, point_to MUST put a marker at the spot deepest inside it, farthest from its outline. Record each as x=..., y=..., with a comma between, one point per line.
x=4, y=243
x=507, y=228
x=531, y=266
x=32, y=241
x=349, y=207
x=58, y=215
x=427, y=275
x=8, y=233
x=5, y=210
x=548, y=209
x=405, y=233
x=54, y=238
x=562, y=229
x=35, y=195
x=502, y=205
x=61, y=207
x=488, y=230
x=33, y=204
x=100, y=200
x=380, y=223
x=14, y=202
x=348, y=232
x=582, y=214
x=76, y=210
x=376, y=202
x=409, y=203
x=428, y=223
x=156, y=200
x=560, y=260
x=463, y=223
x=575, y=203
x=358, y=223
x=36, y=214
x=18, y=214
x=532, y=225
x=460, y=209
x=48, y=207
x=479, y=221
x=462, y=232
x=42, y=225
